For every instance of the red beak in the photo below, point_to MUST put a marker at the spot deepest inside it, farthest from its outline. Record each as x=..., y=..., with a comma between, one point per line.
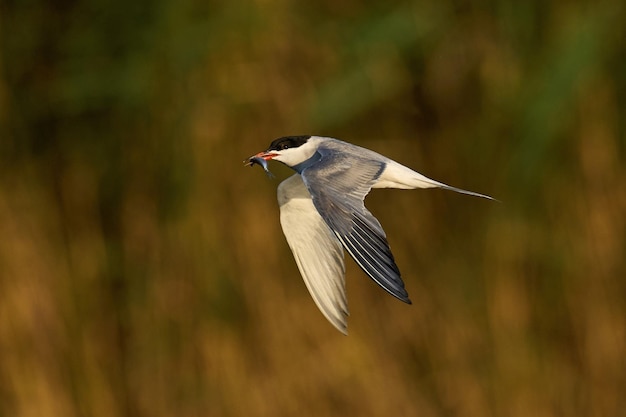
x=261, y=155
x=265, y=155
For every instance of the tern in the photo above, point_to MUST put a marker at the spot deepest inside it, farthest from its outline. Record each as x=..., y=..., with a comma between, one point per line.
x=322, y=212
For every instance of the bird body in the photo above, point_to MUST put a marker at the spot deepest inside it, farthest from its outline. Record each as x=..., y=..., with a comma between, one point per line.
x=322, y=212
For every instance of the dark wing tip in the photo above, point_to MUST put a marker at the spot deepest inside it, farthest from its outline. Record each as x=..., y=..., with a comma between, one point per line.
x=377, y=263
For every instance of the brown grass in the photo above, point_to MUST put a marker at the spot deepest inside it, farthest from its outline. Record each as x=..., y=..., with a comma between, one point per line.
x=143, y=271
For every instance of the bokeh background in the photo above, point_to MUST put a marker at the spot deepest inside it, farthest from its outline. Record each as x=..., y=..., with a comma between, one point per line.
x=143, y=271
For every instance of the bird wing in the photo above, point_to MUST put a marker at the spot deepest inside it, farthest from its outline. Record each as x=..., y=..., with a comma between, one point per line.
x=317, y=251
x=338, y=184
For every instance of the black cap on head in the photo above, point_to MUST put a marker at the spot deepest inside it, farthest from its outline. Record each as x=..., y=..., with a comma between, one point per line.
x=287, y=142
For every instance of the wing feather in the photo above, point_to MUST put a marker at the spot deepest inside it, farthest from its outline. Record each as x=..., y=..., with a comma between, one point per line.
x=316, y=249
x=338, y=184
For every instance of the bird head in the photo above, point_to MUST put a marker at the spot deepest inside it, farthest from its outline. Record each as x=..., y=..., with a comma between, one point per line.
x=290, y=150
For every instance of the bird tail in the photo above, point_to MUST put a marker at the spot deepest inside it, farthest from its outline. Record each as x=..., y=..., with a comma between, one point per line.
x=399, y=176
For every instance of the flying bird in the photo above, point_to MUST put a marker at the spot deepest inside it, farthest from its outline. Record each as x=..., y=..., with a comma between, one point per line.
x=322, y=212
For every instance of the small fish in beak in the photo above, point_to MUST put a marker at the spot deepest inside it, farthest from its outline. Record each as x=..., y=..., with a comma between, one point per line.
x=259, y=161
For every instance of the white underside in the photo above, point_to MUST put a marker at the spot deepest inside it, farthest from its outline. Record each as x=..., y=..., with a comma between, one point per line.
x=316, y=249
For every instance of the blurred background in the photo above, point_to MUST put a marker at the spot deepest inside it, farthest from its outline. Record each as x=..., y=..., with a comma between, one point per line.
x=143, y=271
